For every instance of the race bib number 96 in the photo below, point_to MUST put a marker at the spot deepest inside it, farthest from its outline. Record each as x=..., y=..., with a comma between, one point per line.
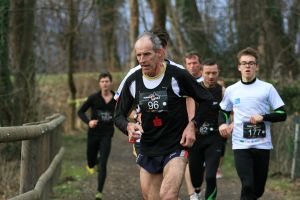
x=154, y=101
x=254, y=130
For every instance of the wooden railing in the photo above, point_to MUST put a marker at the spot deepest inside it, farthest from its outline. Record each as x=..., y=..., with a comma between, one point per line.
x=41, y=155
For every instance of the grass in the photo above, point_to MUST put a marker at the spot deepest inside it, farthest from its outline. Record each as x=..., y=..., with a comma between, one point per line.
x=51, y=79
x=281, y=185
x=73, y=167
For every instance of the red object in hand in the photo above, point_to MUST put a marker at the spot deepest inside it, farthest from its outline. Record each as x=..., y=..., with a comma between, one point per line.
x=133, y=139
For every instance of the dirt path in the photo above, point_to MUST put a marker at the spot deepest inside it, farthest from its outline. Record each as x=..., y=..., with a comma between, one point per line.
x=122, y=181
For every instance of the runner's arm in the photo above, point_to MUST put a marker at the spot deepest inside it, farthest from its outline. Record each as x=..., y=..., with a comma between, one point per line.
x=224, y=117
x=278, y=115
x=123, y=107
x=81, y=112
x=190, y=87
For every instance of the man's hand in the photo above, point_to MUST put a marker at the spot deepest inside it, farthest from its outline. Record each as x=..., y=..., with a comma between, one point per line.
x=93, y=123
x=254, y=119
x=225, y=130
x=188, y=137
x=134, y=130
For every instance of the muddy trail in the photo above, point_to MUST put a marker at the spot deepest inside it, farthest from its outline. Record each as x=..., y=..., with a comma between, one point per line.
x=122, y=181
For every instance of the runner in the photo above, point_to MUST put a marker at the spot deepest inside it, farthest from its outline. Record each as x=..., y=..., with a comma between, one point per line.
x=209, y=144
x=193, y=65
x=101, y=128
x=159, y=89
x=164, y=38
x=251, y=99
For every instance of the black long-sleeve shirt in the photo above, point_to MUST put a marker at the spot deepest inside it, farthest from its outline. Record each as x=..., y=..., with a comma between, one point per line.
x=101, y=111
x=163, y=127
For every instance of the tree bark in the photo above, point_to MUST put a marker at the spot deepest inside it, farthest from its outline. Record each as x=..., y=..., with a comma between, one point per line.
x=134, y=29
x=21, y=43
x=194, y=28
x=107, y=11
x=294, y=21
x=178, y=47
x=70, y=57
x=276, y=47
x=5, y=81
x=247, y=23
x=159, y=14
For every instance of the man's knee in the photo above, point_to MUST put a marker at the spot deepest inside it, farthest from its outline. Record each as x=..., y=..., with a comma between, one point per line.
x=259, y=192
x=168, y=194
x=248, y=193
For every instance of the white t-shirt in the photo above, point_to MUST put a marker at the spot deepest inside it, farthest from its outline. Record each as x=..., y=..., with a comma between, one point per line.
x=200, y=79
x=131, y=71
x=246, y=100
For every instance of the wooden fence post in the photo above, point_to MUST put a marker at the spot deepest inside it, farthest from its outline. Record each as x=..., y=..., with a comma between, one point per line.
x=294, y=162
x=29, y=166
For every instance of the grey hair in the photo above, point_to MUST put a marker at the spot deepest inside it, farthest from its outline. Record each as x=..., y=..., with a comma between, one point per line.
x=153, y=38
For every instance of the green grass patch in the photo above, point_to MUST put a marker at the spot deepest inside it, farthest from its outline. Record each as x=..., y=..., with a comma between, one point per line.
x=73, y=167
x=53, y=79
x=280, y=184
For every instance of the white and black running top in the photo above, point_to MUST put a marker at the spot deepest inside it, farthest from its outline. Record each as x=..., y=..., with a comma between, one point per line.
x=131, y=71
x=163, y=107
x=245, y=100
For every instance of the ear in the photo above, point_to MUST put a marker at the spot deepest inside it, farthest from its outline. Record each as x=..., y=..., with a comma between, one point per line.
x=257, y=68
x=160, y=53
x=239, y=68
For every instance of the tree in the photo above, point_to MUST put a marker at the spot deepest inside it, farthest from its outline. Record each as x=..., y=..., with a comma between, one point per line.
x=107, y=12
x=294, y=21
x=193, y=26
x=247, y=23
x=159, y=13
x=278, y=58
x=134, y=29
x=5, y=81
x=71, y=55
x=22, y=59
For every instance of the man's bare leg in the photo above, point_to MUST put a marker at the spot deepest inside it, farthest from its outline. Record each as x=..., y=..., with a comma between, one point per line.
x=150, y=184
x=188, y=182
x=173, y=176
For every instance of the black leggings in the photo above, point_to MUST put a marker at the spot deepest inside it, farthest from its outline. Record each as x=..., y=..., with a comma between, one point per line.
x=206, y=149
x=102, y=145
x=252, y=167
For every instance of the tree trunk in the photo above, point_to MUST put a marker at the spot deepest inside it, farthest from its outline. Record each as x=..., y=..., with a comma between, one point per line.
x=107, y=10
x=134, y=29
x=159, y=14
x=247, y=23
x=21, y=43
x=70, y=57
x=5, y=81
x=178, y=45
x=278, y=50
x=193, y=26
x=294, y=22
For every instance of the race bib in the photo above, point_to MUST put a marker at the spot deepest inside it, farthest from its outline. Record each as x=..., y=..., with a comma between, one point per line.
x=104, y=116
x=154, y=101
x=254, y=130
x=207, y=128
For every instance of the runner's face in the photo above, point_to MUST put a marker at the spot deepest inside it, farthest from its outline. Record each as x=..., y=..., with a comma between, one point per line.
x=105, y=84
x=210, y=75
x=147, y=57
x=193, y=66
x=248, y=67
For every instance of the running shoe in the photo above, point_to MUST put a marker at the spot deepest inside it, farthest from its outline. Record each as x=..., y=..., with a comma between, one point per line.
x=219, y=173
x=195, y=196
x=98, y=196
x=90, y=170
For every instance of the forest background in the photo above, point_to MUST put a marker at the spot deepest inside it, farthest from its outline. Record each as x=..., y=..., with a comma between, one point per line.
x=51, y=52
